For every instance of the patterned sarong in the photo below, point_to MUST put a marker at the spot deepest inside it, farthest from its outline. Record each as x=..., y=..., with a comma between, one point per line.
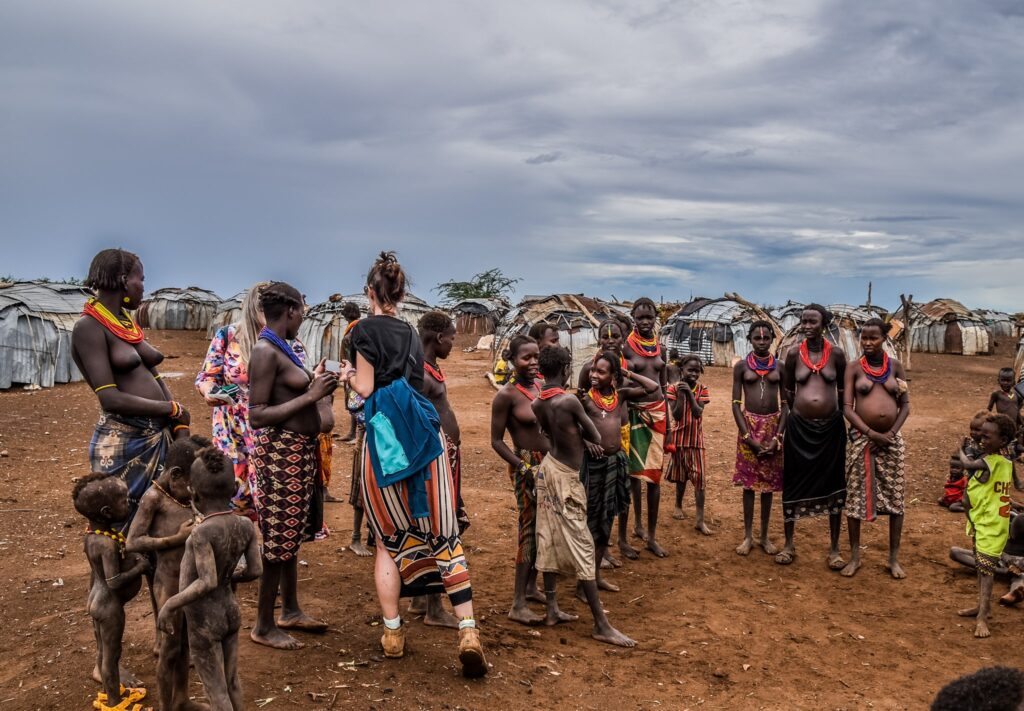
x=875, y=478
x=564, y=543
x=132, y=449
x=814, y=470
x=607, y=482
x=647, y=428
x=761, y=474
x=526, y=506
x=686, y=464
x=427, y=551
x=455, y=462
x=285, y=467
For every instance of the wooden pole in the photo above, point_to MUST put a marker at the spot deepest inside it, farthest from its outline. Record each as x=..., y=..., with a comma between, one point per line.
x=908, y=318
x=869, y=295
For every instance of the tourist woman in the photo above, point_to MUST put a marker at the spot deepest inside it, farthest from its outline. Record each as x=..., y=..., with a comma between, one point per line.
x=289, y=407
x=876, y=405
x=814, y=450
x=408, y=491
x=139, y=417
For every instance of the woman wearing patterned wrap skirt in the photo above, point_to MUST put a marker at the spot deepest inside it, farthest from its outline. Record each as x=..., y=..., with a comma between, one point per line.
x=138, y=416
x=876, y=405
x=290, y=407
x=415, y=554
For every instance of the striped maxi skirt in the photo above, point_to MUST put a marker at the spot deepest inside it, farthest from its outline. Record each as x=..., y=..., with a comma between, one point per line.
x=427, y=551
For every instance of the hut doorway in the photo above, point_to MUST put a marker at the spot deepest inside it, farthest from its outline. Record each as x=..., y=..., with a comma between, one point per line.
x=954, y=339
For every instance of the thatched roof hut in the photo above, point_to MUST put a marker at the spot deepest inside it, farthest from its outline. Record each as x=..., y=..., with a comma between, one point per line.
x=947, y=326
x=478, y=317
x=844, y=330
x=188, y=309
x=36, y=320
x=575, y=316
x=714, y=329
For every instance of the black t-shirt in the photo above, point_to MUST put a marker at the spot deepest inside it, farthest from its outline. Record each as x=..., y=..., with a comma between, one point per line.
x=392, y=347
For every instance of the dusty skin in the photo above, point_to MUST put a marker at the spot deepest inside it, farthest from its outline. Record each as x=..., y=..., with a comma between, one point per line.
x=698, y=616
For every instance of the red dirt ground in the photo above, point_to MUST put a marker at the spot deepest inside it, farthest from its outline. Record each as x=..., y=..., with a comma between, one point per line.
x=715, y=630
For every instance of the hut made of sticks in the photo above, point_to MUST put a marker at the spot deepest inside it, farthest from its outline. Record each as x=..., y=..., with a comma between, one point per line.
x=36, y=320
x=478, y=317
x=577, y=318
x=173, y=309
x=844, y=331
x=714, y=329
x=947, y=326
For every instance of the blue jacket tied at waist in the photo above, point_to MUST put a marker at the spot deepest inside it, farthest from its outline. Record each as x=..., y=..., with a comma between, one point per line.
x=402, y=436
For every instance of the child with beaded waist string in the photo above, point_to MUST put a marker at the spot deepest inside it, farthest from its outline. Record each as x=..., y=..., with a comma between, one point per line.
x=115, y=579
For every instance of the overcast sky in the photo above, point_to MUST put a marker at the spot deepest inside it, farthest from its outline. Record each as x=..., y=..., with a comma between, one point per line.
x=790, y=149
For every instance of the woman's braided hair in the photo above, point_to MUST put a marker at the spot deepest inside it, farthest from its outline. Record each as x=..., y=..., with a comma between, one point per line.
x=109, y=268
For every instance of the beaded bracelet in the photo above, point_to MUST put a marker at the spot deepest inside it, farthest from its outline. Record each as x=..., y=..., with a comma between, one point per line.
x=104, y=387
x=175, y=409
x=180, y=427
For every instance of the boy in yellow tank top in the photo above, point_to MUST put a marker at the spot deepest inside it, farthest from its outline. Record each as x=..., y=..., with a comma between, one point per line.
x=987, y=504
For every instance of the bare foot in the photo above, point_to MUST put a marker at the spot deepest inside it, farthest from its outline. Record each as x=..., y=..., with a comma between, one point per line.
x=896, y=569
x=128, y=680
x=835, y=561
x=557, y=617
x=525, y=616
x=603, y=584
x=276, y=639
x=745, y=547
x=301, y=622
x=969, y=612
x=612, y=560
x=360, y=549
x=612, y=636
x=628, y=551
x=678, y=515
x=851, y=568
x=332, y=499
x=767, y=546
x=190, y=705
x=1012, y=598
x=606, y=564
x=981, y=630
x=639, y=533
x=417, y=606
x=536, y=595
x=441, y=618
x=785, y=556
x=702, y=528
x=656, y=549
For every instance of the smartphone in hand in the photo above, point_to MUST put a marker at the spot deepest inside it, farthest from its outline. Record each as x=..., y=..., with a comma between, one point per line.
x=333, y=366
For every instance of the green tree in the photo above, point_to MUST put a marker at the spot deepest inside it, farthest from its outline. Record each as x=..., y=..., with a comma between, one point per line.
x=491, y=284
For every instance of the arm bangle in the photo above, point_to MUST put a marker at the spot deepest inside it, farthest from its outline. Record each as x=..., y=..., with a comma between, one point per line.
x=180, y=427
x=104, y=387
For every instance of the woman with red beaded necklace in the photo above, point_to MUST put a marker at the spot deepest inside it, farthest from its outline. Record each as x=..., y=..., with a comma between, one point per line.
x=512, y=412
x=139, y=417
x=814, y=470
x=876, y=405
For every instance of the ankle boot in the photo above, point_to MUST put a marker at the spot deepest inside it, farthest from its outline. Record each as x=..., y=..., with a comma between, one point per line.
x=471, y=653
x=393, y=643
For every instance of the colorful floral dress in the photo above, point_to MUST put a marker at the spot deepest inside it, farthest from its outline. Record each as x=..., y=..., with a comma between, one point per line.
x=231, y=432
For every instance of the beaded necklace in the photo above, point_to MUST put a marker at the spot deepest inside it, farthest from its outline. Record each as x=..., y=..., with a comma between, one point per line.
x=549, y=393
x=123, y=326
x=605, y=403
x=207, y=517
x=880, y=374
x=826, y=352
x=762, y=368
x=435, y=372
x=156, y=485
x=646, y=347
x=116, y=536
x=267, y=335
x=531, y=396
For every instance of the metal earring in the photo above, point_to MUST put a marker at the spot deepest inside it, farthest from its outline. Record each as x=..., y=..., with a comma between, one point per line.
x=126, y=299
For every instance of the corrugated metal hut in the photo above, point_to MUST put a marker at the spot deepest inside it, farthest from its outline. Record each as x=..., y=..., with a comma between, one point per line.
x=575, y=316
x=947, y=326
x=714, y=329
x=229, y=311
x=36, y=320
x=844, y=330
x=323, y=326
x=787, y=315
x=1001, y=324
x=478, y=317
x=1018, y=363
x=172, y=309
